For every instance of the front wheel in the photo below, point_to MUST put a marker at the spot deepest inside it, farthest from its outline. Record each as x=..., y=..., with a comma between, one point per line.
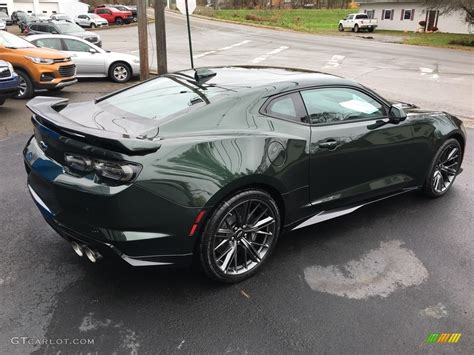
x=119, y=21
x=93, y=25
x=371, y=29
x=443, y=169
x=341, y=28
x=239, y=236
x=26, y=87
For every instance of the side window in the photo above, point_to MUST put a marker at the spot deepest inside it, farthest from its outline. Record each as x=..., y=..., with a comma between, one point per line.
x=332, y=105
x=287, y=107
x=76, y=46
x=48, y=28
x=34, y=27
x=54, y=43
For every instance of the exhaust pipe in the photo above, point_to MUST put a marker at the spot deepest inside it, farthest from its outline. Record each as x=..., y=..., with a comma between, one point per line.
x=77, y=249
x=93, y=255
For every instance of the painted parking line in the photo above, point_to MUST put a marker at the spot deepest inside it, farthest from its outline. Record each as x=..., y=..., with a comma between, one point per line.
x=335, y=61
x=269, y=54
x=431, y=73
x=222, y=49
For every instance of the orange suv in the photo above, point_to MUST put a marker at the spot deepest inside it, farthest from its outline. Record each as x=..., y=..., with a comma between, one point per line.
x=37, y=68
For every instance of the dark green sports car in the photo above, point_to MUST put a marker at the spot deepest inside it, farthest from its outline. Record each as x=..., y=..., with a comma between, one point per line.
x=216, y=163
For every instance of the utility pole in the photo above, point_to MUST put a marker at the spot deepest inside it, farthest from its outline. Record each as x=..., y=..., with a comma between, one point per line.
x=143, y=39
x=160, y=32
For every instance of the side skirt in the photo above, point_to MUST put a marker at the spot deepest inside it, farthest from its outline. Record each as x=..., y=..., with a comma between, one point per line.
x=326, y=215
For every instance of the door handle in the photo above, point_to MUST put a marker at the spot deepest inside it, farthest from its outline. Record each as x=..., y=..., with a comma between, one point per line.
x=329, y=144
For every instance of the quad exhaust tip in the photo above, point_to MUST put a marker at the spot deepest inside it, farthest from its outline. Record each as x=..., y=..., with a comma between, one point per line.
x=77, y=249
x=92, y=255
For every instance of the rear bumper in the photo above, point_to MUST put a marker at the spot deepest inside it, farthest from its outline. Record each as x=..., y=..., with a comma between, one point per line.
x=139, y=227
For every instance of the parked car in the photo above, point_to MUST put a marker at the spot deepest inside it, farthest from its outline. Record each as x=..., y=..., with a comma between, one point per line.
x=24, y=20
x=6, y=18
x=357, y=22
x=63, y=27
x=131, y=8
x=15, y=16
x=3, y=25
x=8, y=81
x=112, y=15
x=37, y=68
x=41, y=17
x=217, y=163
x=91, y=61
x=91, y=20
x=61, y=17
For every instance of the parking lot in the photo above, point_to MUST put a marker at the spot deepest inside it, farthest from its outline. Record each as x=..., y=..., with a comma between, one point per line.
x=376, y=281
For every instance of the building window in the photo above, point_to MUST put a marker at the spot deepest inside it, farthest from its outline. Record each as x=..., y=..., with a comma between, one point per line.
x=387, y=14
x=370, y=13
x=407, y=15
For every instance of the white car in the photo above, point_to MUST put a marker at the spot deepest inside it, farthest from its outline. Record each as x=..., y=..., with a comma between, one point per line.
x=91, y=61
x=61, y=17
x=3, y=25
x=91, y=20
x=357, y=22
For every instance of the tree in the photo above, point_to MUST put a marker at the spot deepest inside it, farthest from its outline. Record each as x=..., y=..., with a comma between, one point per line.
x=448, y=6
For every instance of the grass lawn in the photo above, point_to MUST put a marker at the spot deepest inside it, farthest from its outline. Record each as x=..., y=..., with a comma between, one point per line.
x=326, y=22
x=297, y=19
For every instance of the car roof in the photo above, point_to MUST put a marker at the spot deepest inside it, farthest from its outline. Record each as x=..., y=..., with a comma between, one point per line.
x=271, y=78
x=50, y=35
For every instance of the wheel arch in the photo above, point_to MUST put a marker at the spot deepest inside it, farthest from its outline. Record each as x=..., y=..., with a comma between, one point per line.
x=460, y=138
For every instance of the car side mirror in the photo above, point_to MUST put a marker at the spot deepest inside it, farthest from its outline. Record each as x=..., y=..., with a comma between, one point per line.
x=396, y=114
x=92, y=51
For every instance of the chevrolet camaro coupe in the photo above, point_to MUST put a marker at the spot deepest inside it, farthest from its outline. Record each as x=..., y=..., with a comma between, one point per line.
x=214, y=164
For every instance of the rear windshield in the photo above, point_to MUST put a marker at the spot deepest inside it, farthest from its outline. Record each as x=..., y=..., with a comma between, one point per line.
x=160, y=98
x=68, y=27
x=362, y=17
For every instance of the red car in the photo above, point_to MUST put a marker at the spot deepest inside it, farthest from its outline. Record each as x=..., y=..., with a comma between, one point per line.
x=113, y=15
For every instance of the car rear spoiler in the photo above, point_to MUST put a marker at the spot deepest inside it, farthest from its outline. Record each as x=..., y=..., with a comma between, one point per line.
x=46, y=111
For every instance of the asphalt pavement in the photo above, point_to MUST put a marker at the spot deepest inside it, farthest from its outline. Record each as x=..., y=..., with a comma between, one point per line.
x=376, y=281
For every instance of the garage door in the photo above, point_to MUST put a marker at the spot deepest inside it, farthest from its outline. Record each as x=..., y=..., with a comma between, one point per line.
x=27, y=7
x=50, y=8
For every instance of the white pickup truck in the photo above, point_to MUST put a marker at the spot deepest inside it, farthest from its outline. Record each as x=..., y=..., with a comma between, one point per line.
x=357, y=22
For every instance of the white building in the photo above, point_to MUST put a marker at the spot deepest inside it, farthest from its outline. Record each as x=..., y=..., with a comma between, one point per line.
x=70, y=7
x=404, y=15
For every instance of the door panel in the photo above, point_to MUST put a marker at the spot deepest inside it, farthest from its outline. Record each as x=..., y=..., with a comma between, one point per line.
x=87, y=63
x=349, y=159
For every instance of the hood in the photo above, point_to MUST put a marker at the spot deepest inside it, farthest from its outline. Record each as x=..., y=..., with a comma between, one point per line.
x=41, y=52
x=83, y=35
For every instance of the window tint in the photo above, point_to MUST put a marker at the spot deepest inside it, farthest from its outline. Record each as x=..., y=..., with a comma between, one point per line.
x=362, y=17
x=340, y=104
x=287, y=107
x=54, y=43
x=76, y=46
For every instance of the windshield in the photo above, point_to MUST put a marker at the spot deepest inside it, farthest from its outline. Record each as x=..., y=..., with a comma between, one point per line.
x=68, y=27
x=11, y=41
x=159, y=98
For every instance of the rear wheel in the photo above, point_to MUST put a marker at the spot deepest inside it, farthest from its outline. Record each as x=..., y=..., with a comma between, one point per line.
x=341, y=28
x=356, y=28
x=26, y=87
x=120, y=72
x=444, y=169
x=371, y=29
x=119, y=21
x=239, y=236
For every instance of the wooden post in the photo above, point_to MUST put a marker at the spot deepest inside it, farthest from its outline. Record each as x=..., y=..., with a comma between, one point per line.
x=143, y=39
x=160, y=31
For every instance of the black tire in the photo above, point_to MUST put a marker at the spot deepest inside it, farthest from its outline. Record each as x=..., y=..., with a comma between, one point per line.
x=27, y=89
x=2, y=100
x=243, y=241
x=356, y=28
x=119, y=21
x=93, y=25
x=341, y=28
x=120, y=72
x=429, y=188
x=371, y=30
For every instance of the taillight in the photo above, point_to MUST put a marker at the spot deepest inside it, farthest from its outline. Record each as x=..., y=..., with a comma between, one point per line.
x=116, y=171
